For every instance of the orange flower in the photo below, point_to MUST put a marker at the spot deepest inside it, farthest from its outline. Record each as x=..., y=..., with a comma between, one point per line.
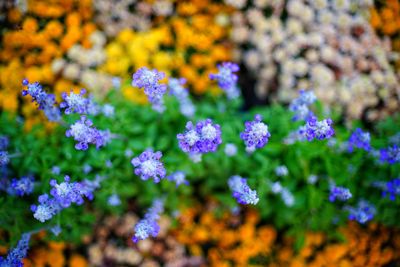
x=30, y=25
x=77, y=261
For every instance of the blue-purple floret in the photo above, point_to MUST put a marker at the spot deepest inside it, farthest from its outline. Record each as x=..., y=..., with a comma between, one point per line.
x=66, y=193
x=149, y=81
x=241, y=191
x=4, y=159
x=359, y=139
x=339, y=193
x=390, y=155
x=148, y=165
x=256, y=133
x=362, y=213
x=114, y=200
x=75, y=103
x=148, y=226
x=178, y=177
x=45, y=101
x=3, y=143
x=17, y=254
x=85, y=133
x=319, y=130
x=227, y=78
x=300, y=105
x=392, y=189
x=203, y=138
x=22, y=186
x=182, y=95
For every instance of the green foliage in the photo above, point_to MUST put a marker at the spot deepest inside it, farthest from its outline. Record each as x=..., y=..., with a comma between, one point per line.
x=138, y=127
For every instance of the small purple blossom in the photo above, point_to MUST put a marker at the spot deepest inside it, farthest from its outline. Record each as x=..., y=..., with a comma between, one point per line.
x=392, y=189
x=281, y=171
x=22, y=186
x=390, y=155
x=149, y=81
x=230, y=150
x=182, y=95
x=4, y=159
x=56, y=230
x=17, y=254
x=85, y=133
x=55, y=170
x=3, y=142
x=148, y=165
x=318, y=129
x=67, y=192
x=241, y=191
x=114, y=200
x=340, y=193
x=75, y=103
x=203, y=138
x=300, y=105
x=359, y=139
x=148, y=226
x=226, y=76
x=47, y=208
x=363, y=212
x=256, y=133
x=108, y=110
x=179, y=177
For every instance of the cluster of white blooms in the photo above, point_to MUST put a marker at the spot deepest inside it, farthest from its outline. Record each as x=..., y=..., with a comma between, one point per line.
x=326, y=45
x=80, y=64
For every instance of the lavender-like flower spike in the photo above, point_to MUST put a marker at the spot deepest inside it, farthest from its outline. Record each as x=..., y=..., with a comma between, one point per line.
x=363, y=212
x=47, y=208
x=392, y=189
x=85, y=133
x=17, y=254
x=66, y=192
x=255, y=134
x=75, y=103
x=390, y=155
x=300, y=105
x=241, y=191
x=23, y=186
x=340, y=193
x=203, y=138
x=148, y=165
x=4, y=159
x=359, y=139
x=149, y=81
x=226, y=77
x=179, y=177
x=148, y=226
x=318, y=129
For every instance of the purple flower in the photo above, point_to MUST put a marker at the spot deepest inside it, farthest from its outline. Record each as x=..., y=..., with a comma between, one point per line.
x=3, y=142
x=182, y=95
x=359, y=139
x=85, y=133
x=17, y=254
x=149, y=81
x=46, y=102
x=114, y=200
x=300, y=105
x=23, y=186
x=241, y=191
x=318, y=129
x=230, y=150
x=203, y=138
x=390, y=155
x=226, y=76
x=75, y=103
x=148, y=165
x=56, y=230
x=340, y=193
x=281, y=170
x=363, y=212
x=179, y=177
x=47, y=208
x=108, y=110
x=148, y=226
x=392, y=189
x=256, y=133
x=66, y=192
x=55, y=170
x=4, y=159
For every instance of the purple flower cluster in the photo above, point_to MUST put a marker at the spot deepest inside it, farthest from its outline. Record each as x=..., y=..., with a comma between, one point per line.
x=392, y=189
x=149, y=80
x=182, y=95
x=300, y=105
x=255, y=134
x=318, y=129
x=286, y=196
x=179, y=177
x=241, y=191
x=4, y=159
x=340, y=193
x=22, y=186
x=3, y=142
x=203, y=138
x=75, y=103
x=390, y=155
x=227, y=78
x=17, y=254
x=85, y=133
x=362, y=213
x=62, y=195
x=359, y=139
x=45, y=101
x=148, y=165
x=148, y=226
